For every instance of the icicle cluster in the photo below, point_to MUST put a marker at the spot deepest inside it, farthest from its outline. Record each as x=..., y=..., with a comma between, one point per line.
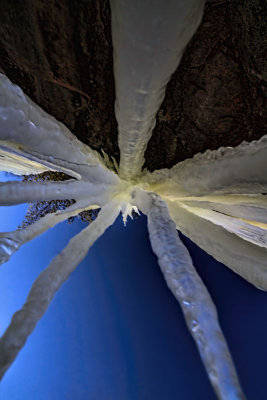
x=217, y=198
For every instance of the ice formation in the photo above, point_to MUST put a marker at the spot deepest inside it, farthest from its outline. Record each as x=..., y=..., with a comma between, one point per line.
x=216, y=198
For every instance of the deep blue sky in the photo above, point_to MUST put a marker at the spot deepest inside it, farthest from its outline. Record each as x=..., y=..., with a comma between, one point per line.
x=114, y=331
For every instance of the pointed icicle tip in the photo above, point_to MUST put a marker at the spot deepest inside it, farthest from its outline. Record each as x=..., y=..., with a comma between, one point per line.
x=7, y=247
x=127, y=210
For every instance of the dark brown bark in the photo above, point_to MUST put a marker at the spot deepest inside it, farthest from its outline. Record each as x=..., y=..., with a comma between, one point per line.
x=216, y=96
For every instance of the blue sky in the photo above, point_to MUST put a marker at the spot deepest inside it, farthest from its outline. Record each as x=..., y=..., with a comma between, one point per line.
x=114, y=331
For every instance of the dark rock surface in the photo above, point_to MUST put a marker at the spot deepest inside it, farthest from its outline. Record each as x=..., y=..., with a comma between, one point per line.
x=60, y=53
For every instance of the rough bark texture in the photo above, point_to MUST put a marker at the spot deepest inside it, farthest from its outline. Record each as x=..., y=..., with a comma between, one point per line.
x=60, y=53
x=216, y=96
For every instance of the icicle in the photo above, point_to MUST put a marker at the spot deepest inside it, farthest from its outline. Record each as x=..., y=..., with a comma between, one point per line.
x=19, y=165
x=24, y=122
x=26, y=192
x=198, y=308
x=247, y=231
x=46, y=285
x=238, y=170
x=148, y=42
x=127, y=210
x=252, y=207
x=26, y=128
x=244, y=258
x=12, y=241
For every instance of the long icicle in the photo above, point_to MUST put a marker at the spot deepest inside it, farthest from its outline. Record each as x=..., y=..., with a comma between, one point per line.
x=241, y=228
x=46, y=285
x=12, y=193
x=246, y=259
x=148, y=42
x=24, y=123
x=10, y=242
x=227, y=171
x=188, y=288
x=27, y=131
x=250, y=207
